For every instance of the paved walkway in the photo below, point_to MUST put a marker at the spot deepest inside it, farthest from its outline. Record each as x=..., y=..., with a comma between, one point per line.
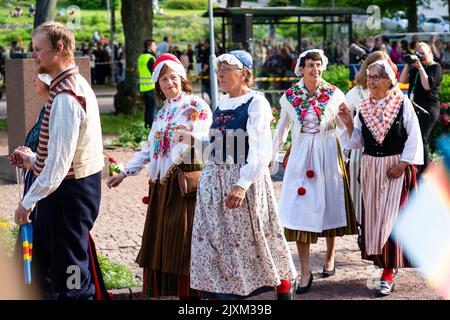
x=119, y=227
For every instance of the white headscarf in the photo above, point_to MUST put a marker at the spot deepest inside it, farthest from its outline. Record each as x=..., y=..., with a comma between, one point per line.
x=387, y=67
x=304, y=53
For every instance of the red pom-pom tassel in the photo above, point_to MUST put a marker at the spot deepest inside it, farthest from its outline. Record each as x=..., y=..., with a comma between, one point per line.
x=301, y=191
x=145, y=200
x=310, y=174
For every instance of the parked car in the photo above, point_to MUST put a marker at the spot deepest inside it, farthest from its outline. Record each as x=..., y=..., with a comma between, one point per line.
x=398, y=23
x=435, y=24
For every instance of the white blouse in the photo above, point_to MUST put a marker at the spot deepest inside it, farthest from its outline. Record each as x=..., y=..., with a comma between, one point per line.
x=161, y=151
x=259, y=134
x=413, y=150
x=289, y=118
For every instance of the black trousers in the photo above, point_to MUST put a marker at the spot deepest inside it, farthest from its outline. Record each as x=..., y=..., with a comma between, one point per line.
x=150, y=103
x=61, y=243
x=426, y=130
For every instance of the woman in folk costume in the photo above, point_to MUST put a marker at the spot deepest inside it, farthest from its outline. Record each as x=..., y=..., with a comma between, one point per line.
x=166, y=242
x=238, y=248
x=387, y=127
x=354, y=97
x=315, y=198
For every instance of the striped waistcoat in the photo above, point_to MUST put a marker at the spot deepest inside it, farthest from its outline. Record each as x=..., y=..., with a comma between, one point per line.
x=63, y=83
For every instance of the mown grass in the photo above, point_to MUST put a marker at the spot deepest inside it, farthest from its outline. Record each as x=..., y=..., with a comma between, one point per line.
x=113, y=124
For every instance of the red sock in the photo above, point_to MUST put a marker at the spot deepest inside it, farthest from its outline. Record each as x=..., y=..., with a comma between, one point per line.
x=284, y=286
x=388, y=275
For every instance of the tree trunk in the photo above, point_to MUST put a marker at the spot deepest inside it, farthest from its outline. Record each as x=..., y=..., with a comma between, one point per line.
x=44, y=11
x=233, y=3
x=137, y=18
x=411, y=13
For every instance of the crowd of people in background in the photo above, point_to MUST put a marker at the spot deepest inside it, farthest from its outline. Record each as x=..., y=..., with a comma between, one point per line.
x=272, y=58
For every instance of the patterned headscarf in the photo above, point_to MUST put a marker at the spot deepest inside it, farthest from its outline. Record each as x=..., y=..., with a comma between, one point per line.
x=240, y=58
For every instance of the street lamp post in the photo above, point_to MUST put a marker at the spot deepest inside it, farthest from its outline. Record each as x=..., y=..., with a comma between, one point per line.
x=110, y=6
x=212, y=58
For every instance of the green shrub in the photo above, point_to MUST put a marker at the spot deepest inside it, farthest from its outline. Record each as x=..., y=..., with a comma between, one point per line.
x=134, y=137
x=3, y=124
x=444, y=93
x=189, y=5
x=93, y=4
x=338, y=76
x=116, y=275
x=278, y=3
x=442, y=125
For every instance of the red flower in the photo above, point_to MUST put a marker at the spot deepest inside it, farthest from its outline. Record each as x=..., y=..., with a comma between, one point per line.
x=145, y=200
x=310, y=174
x=289, y=92
x=202, y=115
x=318, y=111
x=303, y=115
x=193, y=103
x=301, y=191
x=323, y=98
x=297, y=102
x=312, y=102
x=111, y=160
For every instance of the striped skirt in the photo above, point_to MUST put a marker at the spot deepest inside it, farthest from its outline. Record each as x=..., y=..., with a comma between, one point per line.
x=355, y=186
x=382, y=199
x=166, y=242
x=351, y=227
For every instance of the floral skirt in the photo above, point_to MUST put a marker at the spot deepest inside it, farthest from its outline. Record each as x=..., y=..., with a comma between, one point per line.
x=237, y=251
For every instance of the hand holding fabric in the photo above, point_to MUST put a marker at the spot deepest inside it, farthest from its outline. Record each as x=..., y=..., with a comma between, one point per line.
x=396, y=171
x=235, y=198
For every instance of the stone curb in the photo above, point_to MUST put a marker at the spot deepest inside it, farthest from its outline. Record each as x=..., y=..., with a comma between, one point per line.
x=134, y=293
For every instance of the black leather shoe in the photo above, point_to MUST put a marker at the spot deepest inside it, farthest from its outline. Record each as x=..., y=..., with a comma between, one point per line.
x=288, y=295
x=301, y=290
x=328, y=273
x=385, y=289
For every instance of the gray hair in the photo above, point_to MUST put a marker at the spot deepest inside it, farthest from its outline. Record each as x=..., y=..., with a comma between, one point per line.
x=381, y=71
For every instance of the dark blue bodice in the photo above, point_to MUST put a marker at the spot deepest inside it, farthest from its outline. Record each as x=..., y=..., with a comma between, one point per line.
x=228, y=134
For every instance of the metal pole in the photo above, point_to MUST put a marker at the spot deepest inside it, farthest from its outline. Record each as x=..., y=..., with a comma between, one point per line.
x=223, y=35
x=110, y=5
x=212, y=58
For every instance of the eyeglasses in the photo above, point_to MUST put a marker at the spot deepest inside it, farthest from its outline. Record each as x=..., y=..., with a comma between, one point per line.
x=225, y=69
x=375, y=78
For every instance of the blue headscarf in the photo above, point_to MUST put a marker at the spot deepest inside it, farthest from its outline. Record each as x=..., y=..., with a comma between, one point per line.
x=237, y=57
